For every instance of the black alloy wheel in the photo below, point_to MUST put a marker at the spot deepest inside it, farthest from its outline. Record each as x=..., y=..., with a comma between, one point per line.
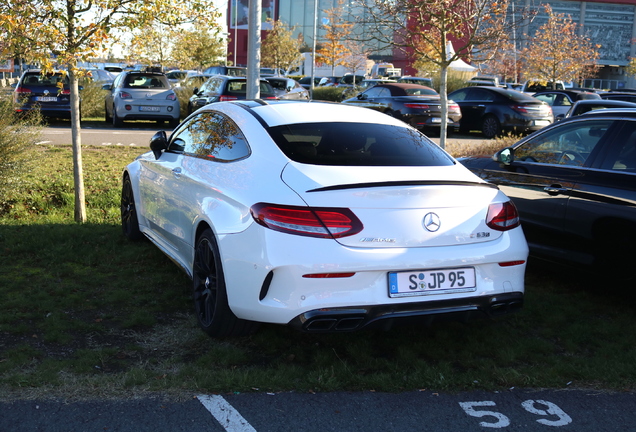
x=209, y=292
x=490, y=127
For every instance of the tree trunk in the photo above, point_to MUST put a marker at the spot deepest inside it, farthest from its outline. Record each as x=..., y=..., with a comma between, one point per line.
x=444, y=106
x=76, y=139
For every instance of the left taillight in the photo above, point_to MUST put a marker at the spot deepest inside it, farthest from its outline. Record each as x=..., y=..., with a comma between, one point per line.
x=503, y=216
x=321, y=222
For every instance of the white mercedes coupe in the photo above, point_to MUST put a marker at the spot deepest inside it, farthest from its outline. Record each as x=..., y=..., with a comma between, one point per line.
x=324, y=217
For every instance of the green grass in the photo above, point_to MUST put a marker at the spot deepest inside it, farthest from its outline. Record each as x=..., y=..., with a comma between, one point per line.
x=85, y=313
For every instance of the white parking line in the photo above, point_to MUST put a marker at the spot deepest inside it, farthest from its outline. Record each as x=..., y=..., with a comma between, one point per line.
x=225, y=414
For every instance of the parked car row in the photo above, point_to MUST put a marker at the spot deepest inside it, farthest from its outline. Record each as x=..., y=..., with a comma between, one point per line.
x=489, y=109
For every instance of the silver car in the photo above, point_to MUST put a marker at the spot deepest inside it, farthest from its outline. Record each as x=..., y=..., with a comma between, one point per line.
x=287, y=88
x=138, y=95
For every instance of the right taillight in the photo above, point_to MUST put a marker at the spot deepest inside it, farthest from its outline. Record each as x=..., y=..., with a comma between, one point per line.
x=503, y=216
x=319, y=222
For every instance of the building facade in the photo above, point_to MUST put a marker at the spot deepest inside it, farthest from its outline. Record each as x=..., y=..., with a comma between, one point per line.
x=608, y=23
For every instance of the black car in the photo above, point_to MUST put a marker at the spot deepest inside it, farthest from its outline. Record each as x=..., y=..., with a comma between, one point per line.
x=414, y=104
x=350, y=80
x=225, y=88
x=574, y=184
x=583, y=106
x=562, y=100
x=306, y=82
x=47, y=92
x=493, y=110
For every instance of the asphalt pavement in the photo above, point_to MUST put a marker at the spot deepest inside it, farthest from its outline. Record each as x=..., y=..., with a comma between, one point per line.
x=511, y=410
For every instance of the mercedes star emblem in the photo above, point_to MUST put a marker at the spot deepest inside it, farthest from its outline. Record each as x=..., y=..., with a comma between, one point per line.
x=431, y=222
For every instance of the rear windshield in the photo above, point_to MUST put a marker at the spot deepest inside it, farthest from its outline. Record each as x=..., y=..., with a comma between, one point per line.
x=146, y=81
x=421, y=92
x=357, y=144
x=240, y=87
x=48, y=80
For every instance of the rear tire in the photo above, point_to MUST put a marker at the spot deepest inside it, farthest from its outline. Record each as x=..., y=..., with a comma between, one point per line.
x=490, y=127
x=107, y=117
x=209, y=292
x=129, y=218
x=117, y=122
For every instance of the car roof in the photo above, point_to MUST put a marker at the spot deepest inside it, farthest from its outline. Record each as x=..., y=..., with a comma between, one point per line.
x=402, y=85
x=570, y=92
x=138, y=72
x=276, y=113
x=629, y=112
x=608, y=102
x=504, y=92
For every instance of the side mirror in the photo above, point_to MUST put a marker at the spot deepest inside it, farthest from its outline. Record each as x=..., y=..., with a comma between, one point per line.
x=195, y=91
x=362, y=96
x=108, y=87
x=158, y=143
x=505, y=156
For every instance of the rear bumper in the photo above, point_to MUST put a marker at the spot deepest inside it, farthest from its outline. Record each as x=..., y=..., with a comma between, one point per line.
x=427, y=122
x=63, y=112
x=354, y=318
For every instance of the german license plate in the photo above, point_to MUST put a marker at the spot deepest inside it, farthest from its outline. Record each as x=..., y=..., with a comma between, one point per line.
x=149, y=108
x=541, y=122
x=46, y=98
x=427, y=282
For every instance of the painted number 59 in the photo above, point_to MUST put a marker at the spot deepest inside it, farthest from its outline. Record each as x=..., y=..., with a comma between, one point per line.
x=532, y=406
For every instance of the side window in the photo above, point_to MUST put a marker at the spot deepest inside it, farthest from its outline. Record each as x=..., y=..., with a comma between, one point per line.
x=622, y=154
x=118, y=79
x=481, y=95
x=561, y=100
x=211, y=136
x=547, y=98
x=373, y=92
x=385, y=92
x=459, y=95
x=570, y=145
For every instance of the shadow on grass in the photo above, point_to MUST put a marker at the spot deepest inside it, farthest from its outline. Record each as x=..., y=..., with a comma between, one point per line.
x=84, y=310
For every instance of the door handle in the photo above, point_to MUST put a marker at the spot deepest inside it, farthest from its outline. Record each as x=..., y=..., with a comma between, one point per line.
x=176, y=172
x=555, y=189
